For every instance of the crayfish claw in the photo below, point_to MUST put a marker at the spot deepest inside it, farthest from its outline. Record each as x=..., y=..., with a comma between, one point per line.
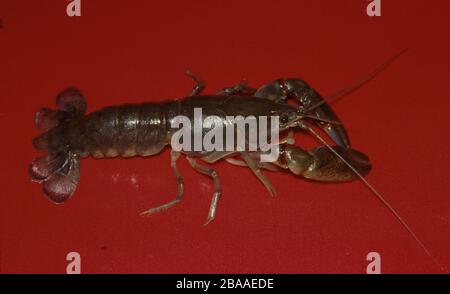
x=329, y=168
x=314, y=104
x=322, y=164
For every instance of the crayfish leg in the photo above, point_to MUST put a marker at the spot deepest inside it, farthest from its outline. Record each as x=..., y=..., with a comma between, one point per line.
x=253, y=165
x=199, y=83
x=209, y=171
x=240, y=88
x=173, y=163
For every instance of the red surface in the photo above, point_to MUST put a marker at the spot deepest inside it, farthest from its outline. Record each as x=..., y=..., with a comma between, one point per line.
x=120, y=52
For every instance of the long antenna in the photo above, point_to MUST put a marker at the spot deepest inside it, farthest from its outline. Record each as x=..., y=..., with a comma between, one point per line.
x=305, y=126
x=358, y=84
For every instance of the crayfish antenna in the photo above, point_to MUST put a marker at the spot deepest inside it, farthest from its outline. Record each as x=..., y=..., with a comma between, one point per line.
x=359, y=83
x=307, y=127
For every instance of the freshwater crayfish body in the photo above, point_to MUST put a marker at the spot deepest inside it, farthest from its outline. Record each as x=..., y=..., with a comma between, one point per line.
x=145, y=129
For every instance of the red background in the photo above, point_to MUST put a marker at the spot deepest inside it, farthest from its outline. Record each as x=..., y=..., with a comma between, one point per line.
x=134, y=51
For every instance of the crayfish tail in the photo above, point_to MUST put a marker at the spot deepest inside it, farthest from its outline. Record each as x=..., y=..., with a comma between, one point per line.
x=59, y=175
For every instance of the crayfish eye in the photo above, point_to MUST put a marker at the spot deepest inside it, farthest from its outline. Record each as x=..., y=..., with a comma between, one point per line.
x=284, y=118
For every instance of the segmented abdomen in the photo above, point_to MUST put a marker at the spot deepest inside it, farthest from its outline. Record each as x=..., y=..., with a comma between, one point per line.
x=124, y=130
